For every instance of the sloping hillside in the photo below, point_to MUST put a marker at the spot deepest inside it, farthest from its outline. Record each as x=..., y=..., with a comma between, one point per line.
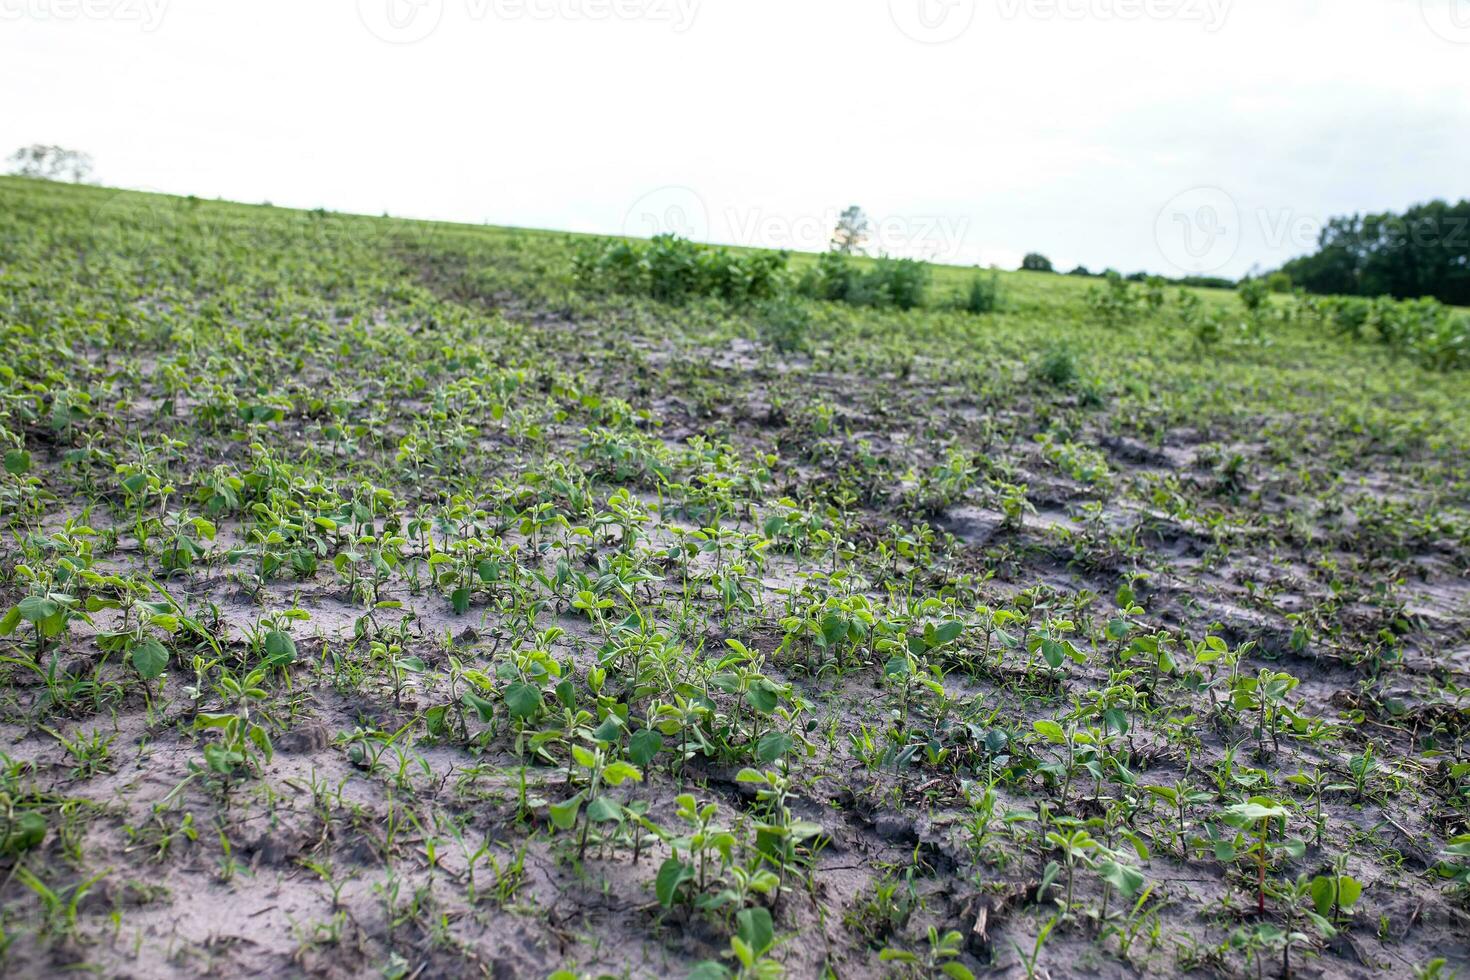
x=385, y=598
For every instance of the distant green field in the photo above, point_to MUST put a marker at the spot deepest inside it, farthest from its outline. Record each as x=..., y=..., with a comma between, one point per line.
x=392, y=597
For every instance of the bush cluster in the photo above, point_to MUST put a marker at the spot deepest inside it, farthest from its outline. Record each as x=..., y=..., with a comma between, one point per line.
x=673, y=269
x=898, y=283
x=1424, y=329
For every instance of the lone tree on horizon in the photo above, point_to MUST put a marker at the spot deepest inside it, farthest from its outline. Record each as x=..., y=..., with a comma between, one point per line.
x=851, y=233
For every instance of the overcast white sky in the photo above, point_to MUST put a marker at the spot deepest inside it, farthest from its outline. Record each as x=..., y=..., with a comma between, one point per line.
x=1168, y=135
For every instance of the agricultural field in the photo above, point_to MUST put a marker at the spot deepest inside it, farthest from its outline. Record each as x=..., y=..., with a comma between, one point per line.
x=389, y=598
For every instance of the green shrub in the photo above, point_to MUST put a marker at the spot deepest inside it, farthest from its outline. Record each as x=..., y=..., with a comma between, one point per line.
x=1057, y=367
x=1423, y=329
x=833, y=278
x=1253, y=294
x=897, y=282
x=673, y=270
x=1349, y=315
x=982, y=295
x=1279, y=282
x=1153, y=293
x=1116, y=301
x=890, y=282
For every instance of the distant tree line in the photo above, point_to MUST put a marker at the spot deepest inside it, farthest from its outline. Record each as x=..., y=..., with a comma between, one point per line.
x=1036, y=262
x=1423, y=252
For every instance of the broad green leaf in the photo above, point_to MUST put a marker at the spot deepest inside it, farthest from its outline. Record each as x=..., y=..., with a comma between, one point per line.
x=483, y=708
x=1324, y=893
x=17, y=462
x=610, y=730
x=671, y=874
x=28, y=831
x=523, y=700
x=262, y=741
x=644, y=745
x=618, y=773
x=1253, y=811
x=36, y=608
x=762, y=696
x=564, y=814
x=604, y=809
x=948, y=632
x=1048, y=877
x=754, y=926
x=728, y=683
x=280, y=647
x=149, y=658
x=834, y=630
x=1050, y=731
x=1127, y=880
x=772, y=746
